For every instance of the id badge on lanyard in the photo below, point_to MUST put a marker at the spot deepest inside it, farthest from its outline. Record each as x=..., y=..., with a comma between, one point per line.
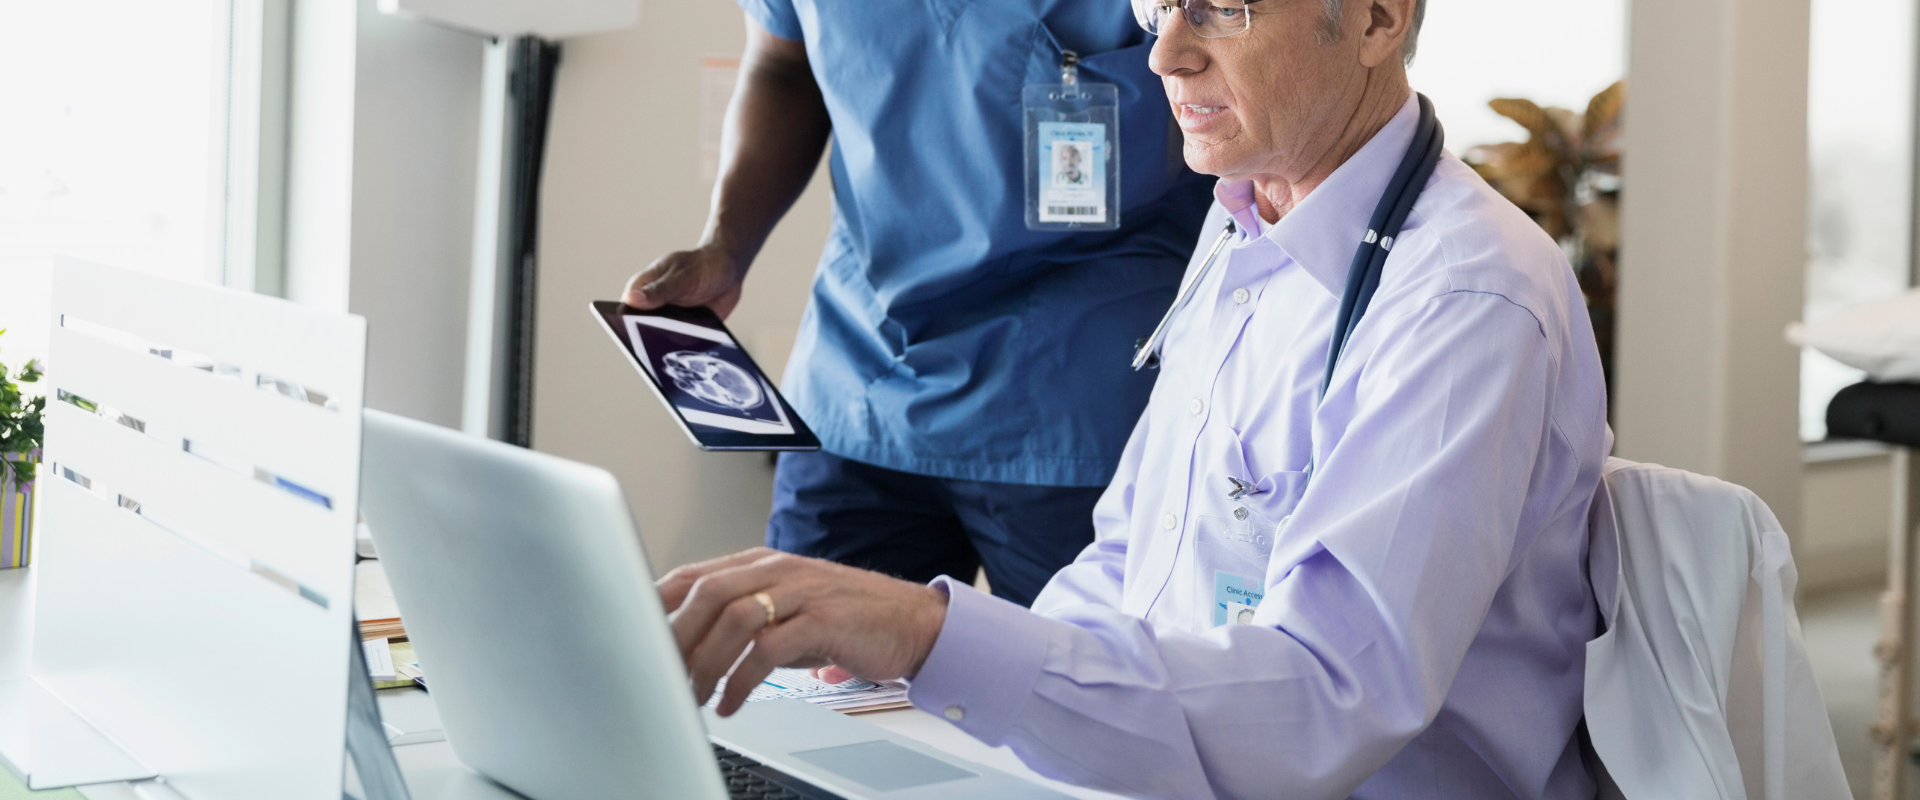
x=1072, y=152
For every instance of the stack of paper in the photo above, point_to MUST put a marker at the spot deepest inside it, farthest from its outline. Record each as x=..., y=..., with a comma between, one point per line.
x=379, y=660
x=405, y=666
x=373, y=603
x=882, y=696
x=389, y=628
x=852, y=696
x=391, y=664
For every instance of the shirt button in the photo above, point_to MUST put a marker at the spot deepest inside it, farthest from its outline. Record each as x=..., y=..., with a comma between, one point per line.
x=955, y=713
x=1195, y=406
x=1241, y=295
x=1169, y=522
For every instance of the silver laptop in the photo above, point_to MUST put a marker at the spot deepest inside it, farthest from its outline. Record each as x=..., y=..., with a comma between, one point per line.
x=532, y=610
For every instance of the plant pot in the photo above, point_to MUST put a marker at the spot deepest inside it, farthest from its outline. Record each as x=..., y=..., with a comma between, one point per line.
x=16, y=514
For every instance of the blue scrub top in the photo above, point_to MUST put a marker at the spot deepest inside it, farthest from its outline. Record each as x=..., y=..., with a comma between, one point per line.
x=943, y=337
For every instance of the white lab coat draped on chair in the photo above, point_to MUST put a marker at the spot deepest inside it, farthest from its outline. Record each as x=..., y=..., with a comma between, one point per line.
x=1700, y=687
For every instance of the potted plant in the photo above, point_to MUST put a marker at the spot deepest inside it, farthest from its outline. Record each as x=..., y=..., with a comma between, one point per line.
x=21, y=434
x=1567, y=177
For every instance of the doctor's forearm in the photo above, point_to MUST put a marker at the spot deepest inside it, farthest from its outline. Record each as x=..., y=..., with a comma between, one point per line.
x=1106, y=700
x=775, y=130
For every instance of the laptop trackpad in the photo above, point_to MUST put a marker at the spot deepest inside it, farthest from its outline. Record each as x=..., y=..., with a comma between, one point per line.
x=882, y=765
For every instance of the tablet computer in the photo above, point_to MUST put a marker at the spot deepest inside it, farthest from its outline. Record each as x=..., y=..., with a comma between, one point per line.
x=708, y=382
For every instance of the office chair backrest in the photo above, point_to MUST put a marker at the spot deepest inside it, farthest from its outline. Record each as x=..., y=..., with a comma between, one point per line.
x=1700, y=687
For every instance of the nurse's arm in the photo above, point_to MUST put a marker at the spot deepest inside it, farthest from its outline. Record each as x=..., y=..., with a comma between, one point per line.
x=770, y=144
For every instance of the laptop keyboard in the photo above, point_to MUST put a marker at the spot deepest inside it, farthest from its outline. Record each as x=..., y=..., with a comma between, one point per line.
x=748, y=779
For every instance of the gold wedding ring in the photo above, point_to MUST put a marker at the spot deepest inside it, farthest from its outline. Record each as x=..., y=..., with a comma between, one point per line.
x=766, y=601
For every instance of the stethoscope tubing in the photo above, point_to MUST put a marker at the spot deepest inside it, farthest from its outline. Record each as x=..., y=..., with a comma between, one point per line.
x=1145, y=354
x=1363, y=274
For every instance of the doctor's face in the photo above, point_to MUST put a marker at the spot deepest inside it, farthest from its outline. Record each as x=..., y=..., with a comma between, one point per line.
x=1270, y=100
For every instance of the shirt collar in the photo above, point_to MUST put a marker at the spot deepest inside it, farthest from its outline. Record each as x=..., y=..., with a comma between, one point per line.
x=1320, y=233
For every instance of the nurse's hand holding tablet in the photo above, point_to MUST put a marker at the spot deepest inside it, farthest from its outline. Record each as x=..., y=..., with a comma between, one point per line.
x=779, y=114
x=704, y=276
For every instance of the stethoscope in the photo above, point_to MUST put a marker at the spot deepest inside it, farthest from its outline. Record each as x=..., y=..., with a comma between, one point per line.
x=1363, y=277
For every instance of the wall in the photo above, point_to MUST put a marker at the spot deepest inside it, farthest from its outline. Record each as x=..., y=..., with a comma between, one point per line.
x=1847, y=512
x=623, y=186
x=1713, y=250
x=416, y=128
x=1713, y=264
x=320, y=131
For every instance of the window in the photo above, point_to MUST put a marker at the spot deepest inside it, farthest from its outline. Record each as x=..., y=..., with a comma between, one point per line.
x=1860, y=141
x=1567, y=51
x=1554, y=54
x=116, y=146
x=118, y=150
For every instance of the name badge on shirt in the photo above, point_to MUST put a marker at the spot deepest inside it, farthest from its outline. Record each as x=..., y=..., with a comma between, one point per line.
x=1072, y=152
x=1235, y=597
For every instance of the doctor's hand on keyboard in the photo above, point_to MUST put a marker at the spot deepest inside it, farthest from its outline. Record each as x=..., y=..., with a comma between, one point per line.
x=796, y=612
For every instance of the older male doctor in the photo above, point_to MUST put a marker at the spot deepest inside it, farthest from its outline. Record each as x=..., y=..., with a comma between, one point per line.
x=1411, y=542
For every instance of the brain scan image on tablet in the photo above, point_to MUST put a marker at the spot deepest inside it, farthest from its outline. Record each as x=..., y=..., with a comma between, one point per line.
x=713, y=380
x=705, y=376
x=714, y=390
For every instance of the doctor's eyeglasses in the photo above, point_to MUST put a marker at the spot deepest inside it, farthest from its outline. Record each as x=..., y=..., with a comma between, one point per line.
x=1209, y=19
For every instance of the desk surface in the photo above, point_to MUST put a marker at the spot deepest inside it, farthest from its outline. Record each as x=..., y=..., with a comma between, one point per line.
x=433, y=773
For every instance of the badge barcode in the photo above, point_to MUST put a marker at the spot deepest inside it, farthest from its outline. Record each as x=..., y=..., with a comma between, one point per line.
x=1074, y=211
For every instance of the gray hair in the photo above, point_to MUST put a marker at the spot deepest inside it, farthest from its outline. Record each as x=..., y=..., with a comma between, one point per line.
x=1332, y=30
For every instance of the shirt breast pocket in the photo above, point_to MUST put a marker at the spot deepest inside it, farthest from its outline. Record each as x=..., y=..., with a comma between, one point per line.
x=1233, y=538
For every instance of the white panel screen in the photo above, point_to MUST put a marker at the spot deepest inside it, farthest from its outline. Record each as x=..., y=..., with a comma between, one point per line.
x=196, y=559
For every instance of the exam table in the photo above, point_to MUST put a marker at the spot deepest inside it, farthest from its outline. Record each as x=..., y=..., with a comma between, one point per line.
x=1890, y=413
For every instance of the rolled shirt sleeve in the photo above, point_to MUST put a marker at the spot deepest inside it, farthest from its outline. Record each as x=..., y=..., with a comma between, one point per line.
x=1375, y=591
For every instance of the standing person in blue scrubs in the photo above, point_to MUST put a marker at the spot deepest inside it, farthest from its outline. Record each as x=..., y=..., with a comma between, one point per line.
x=968, y=377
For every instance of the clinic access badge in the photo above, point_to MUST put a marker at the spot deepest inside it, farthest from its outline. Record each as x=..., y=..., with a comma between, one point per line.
x=1072, y=152
x=1235, y=598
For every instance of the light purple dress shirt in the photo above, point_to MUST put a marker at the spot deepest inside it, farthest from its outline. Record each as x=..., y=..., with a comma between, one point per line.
x=1417, y=607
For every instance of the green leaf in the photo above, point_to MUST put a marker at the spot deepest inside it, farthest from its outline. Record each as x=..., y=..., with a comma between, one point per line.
x=22, y=420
